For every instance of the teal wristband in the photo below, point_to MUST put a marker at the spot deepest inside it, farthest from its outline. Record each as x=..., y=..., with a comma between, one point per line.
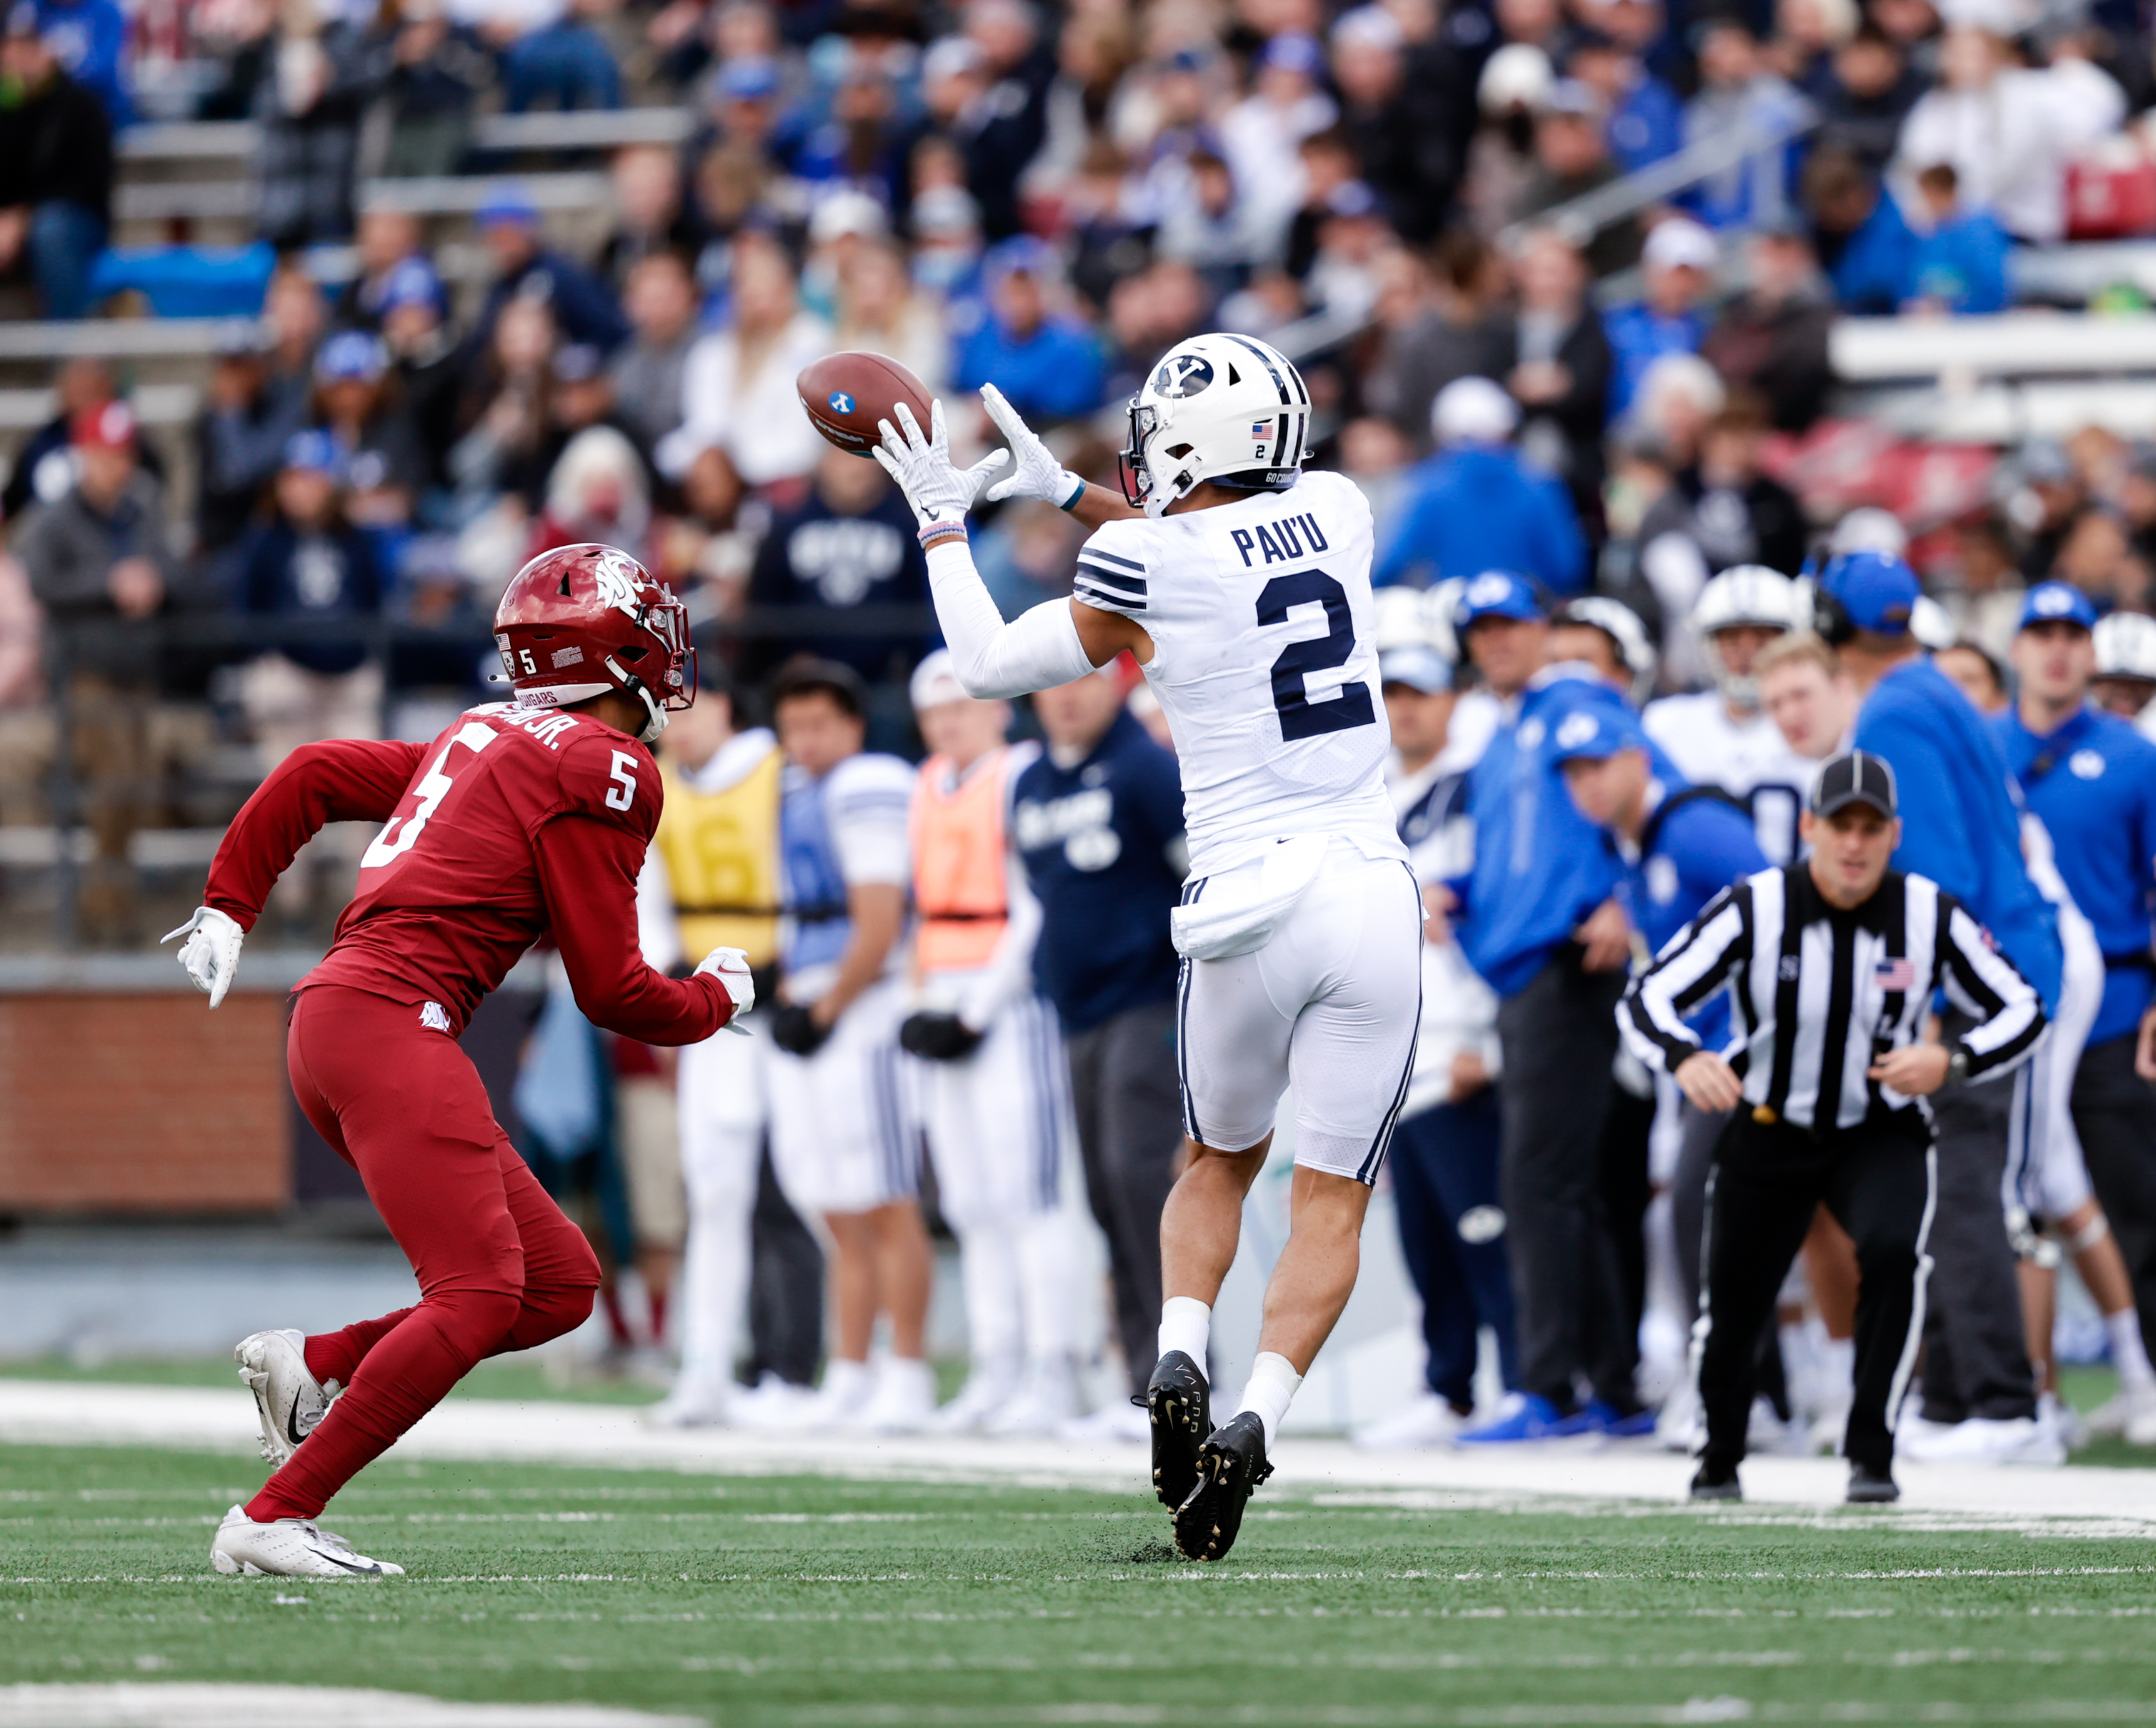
x=1072, y=502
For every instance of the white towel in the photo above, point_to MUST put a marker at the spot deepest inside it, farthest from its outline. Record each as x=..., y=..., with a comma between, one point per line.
x=1239, y=911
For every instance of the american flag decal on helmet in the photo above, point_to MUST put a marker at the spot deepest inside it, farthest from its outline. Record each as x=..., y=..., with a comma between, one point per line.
x=1263, y=428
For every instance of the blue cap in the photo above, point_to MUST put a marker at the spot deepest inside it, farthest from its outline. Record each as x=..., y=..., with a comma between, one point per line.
x=508, y=204
x=1495, y=593
x=316, y=450
x=411, y=282
x=350, y=356
x=2057, y=603
x=1594, y=731
x=749, y=80
x=1352, y=198
x=1022, y=254
x=1878, y=591
x=1294, y=52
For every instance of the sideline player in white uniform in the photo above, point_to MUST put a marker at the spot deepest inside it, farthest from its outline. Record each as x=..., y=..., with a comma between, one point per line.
x=711, y=879
x=1722, y=737
x=1244, y=592
x=994, y=1089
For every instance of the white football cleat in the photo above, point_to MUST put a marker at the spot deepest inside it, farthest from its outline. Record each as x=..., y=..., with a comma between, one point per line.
x=289, y=1399
x=1118, y=1422
x=1046, y=1398
x=2116, y=1416
x=289, y=1548
x=904, y=1398
x=1425, y=1421
x=1981, y=1439
x=969, y=1412
x=692, y=1407
x=1682, y=1424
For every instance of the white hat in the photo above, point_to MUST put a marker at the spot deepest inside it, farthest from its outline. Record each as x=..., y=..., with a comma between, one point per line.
x=1473, y=411
x=1519, y=75
x=1369, y=27
x=847, y=211
x=936, y=682
x=1679, y=242
x=1870, y=529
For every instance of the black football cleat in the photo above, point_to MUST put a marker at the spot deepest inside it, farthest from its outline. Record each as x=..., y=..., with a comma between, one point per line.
x=1716, y=1482
x=1179, y=1406
x=1868, y=1487
x=1231, y=1463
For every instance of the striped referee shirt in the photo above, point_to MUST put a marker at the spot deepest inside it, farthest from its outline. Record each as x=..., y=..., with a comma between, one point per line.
x=1820, y=993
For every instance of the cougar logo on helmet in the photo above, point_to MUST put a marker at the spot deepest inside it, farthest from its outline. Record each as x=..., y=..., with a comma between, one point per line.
x=618, y=575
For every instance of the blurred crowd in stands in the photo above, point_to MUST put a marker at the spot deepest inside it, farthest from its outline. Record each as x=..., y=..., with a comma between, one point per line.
x=998, y=190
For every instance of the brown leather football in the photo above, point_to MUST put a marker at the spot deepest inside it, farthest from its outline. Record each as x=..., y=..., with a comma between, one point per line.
x=844, y=395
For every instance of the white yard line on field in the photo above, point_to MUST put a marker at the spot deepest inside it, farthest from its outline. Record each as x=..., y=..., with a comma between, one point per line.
x=1553, y=1477
x=187, y=1705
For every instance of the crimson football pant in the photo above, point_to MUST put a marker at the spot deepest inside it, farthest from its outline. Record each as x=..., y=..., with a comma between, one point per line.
x=500, y=1268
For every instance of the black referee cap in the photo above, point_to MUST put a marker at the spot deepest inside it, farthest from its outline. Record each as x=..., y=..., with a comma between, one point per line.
x=1858, y=777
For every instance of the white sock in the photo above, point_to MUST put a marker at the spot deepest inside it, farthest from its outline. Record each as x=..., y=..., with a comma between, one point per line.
x=1186, y=1324
x=2129, y=1355
x=1838, y=1363
x=1272, y=1383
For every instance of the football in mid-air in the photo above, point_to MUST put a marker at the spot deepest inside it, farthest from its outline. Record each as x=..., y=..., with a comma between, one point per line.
x=845, y=394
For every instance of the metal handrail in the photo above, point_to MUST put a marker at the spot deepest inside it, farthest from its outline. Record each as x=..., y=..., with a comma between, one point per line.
x=1580, y=220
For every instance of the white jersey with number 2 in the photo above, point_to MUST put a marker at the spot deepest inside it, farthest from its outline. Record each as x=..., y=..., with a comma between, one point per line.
x=1265, y=662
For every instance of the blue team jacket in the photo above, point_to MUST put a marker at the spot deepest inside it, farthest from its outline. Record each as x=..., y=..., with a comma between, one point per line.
x=1478, y=507
x=1095, y=840
x=1696, y=849
x=1961, y=820
x=1540, y=866
x=2093, y=783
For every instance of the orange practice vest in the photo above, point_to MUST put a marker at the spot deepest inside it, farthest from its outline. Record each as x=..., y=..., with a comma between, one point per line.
x=958, y=863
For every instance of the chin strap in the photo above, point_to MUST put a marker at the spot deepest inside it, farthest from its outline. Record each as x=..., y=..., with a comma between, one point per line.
x=637, y=688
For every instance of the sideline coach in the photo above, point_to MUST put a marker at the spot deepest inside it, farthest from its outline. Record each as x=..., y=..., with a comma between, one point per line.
x=1832, y=964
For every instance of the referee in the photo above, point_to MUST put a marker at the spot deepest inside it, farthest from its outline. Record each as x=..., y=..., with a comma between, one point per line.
x=1832, y=964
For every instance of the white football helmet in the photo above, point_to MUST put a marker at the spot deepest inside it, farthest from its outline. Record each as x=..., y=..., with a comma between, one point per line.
x=1933, y=626
x=1745, y=594
x=1622, y=626
x=1220, y=408
x=1417, y=617
x=2126, y=647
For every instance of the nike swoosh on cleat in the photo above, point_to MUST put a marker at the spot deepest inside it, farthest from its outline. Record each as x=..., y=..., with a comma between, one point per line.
x=292, y=1424
x=369, y=1571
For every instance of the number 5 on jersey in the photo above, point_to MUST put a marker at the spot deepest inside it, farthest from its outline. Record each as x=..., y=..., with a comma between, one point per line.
x=399, y=835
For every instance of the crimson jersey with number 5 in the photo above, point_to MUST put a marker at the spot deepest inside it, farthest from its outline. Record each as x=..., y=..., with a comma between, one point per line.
x=515, y=823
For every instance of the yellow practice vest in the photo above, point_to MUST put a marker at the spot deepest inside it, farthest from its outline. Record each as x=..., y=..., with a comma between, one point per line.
x=958, y=864
x=721, y=850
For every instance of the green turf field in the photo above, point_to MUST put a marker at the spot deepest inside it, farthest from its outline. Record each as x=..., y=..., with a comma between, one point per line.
x=785, y=1600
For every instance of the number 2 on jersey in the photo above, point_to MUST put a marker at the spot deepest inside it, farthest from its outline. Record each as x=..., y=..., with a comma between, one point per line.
x=397, y=839
x=1299, y=716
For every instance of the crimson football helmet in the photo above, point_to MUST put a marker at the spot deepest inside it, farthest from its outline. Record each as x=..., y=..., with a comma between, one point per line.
x=581, y=620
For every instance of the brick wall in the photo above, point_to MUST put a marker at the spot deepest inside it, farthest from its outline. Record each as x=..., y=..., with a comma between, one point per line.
x=117, y=1101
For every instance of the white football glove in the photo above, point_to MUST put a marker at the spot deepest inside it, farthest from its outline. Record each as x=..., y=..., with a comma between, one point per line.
x=939, y=491
x=1038, y=474
x=730, y=966
x=211, y=953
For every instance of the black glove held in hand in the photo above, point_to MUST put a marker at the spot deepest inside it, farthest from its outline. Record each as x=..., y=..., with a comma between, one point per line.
x=794, y=1030
x=940, y=1038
